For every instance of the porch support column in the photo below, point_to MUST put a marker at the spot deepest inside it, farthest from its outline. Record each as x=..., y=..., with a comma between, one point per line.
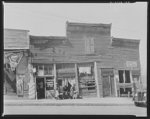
x=124, y=78
x=131, y=79
x=115, y=81
x=96, y=79
x=76, y=78
x=54, y=76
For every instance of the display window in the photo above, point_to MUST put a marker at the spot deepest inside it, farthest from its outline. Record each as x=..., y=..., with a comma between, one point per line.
x=124, y=76
x=44, y=69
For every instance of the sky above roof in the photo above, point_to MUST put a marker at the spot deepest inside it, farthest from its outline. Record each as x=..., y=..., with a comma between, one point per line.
x=129, y=20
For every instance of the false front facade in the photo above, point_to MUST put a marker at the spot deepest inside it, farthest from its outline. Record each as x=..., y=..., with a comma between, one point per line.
x=97, y=64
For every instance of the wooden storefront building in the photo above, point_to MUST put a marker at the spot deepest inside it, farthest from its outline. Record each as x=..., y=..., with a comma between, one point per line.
x=88, y=57
x=17, y=63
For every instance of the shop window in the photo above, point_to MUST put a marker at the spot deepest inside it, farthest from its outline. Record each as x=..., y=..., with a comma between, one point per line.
x=83, y=71
x=40, y=70
x=127, y=76
x=48, y=70
x=121, y=76
x=121, y=91
x=125, y=92
x=44, y=70
x=40, y=67
x=124, y=76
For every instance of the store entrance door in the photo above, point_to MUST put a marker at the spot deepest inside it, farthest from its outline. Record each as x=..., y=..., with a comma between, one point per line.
x=40, y=84
x=108, y=89
x=106, y=86
x=108, y=83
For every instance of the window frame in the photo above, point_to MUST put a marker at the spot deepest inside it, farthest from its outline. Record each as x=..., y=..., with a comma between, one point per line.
x=124, y=76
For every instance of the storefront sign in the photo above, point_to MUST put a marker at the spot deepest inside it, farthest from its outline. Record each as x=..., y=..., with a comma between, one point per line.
x=131, y=64
x=49, y=83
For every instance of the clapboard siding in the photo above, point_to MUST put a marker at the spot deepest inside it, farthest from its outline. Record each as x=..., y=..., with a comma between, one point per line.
x=108, y=56
x=78, y=47
x=16, y=39
x=78, y=33
x=101, y=45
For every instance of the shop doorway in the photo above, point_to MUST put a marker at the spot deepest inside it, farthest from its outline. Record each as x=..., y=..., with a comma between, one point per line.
x=87, y=84
x=108, y=83
x=40, y=84
x=108, y=86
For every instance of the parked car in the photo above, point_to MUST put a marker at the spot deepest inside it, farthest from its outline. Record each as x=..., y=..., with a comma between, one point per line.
x=140, y=98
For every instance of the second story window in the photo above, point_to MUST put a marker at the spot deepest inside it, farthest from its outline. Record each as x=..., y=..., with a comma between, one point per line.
x=124, y=76
x=89, y=45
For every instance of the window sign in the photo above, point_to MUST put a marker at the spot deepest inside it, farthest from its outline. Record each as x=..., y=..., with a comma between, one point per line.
x=49, y=83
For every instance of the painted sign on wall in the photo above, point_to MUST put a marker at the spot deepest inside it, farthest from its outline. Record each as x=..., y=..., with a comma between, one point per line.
x=14, y=59
x=20, y=85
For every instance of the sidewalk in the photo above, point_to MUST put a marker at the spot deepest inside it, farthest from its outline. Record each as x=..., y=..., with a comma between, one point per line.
x=109, y=101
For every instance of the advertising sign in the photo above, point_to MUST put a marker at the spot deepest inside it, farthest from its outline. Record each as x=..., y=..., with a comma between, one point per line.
x=131, y=64
x=49, y=83
x=14, y=60
x=20, y=85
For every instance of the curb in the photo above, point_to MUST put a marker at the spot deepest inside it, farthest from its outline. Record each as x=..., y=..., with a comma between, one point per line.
x=66, y=104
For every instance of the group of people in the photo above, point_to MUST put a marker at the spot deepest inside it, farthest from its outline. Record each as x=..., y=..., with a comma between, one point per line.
x=66, y=92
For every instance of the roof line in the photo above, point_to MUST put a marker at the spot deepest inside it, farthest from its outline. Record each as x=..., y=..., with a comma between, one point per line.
x=136, y=40
x=87, y=24
x=16, y=29
x=50, y=37
x=46, y=36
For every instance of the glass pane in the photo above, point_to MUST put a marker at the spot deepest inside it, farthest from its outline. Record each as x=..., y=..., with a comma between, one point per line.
x=45, y=70
x=120, y=76
x=127, y=76
x=50, y=70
